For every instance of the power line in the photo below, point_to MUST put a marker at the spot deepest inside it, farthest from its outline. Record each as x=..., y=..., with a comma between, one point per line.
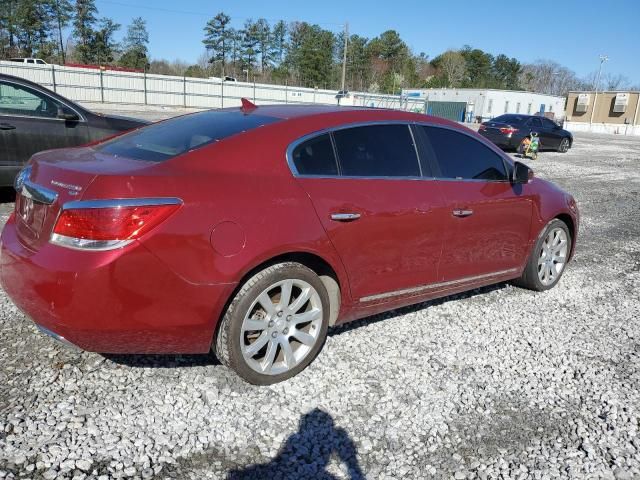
x=207, y=15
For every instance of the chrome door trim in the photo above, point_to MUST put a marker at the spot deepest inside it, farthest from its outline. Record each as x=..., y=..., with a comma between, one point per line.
x=345, y=217
x=434, y=286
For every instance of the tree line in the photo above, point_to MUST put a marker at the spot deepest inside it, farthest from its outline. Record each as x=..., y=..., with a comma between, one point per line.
x=36, y=28
x=297, y=53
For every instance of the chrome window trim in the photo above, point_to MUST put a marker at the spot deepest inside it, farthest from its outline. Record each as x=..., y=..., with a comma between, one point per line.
x=80, y=120
x=309, y=136
x=433, y=286
x=121, y=202
x=289, y=153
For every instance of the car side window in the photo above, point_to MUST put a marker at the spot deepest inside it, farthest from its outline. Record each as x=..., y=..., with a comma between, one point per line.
x=548, y=123
x=459, y=156
x=535, y=123
x=377, y=151
x=22, y=101
x=315, y=157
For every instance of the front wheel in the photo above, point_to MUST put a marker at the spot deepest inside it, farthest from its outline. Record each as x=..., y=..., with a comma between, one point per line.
x=548, y=259
x=564, y=145
x=275, y=325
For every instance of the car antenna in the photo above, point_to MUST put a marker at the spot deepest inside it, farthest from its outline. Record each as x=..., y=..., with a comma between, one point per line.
x=247, y=105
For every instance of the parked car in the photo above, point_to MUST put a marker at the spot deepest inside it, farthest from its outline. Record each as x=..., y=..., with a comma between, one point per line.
x=508, y=130
x=33, y=61
x=33, y=118
x=250, y=231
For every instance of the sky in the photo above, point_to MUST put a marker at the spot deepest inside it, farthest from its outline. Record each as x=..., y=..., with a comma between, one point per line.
x=571, y=32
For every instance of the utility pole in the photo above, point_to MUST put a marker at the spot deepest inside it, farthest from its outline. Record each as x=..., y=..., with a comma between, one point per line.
x=603, y=58
x=344, y=55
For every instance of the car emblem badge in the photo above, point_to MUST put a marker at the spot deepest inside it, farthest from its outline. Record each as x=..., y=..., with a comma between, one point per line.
x=72, y=189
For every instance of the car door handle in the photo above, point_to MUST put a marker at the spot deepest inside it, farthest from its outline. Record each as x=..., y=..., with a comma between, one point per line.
x=462, y=213
x=345, y=217
x=6, y=126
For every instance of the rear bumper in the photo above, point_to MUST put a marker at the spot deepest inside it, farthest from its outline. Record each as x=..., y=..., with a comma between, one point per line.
x=126, y=301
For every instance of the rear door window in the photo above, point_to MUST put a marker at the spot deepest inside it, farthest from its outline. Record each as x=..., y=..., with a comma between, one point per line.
x=173, y=137
x=535, y=123
x=377, y=151
x=460, y=156
x=315, y=157
x=19, y=100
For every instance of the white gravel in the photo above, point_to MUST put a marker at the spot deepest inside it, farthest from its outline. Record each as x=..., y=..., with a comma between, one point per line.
x=497, y=383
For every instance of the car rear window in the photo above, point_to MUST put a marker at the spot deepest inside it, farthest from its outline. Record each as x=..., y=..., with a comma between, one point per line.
x=176, y=136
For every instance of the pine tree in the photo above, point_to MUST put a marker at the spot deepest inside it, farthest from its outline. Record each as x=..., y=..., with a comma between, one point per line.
x=83, y=28
x=216, y=39
x=135, y=45
x=263, y=37
x=249, y=46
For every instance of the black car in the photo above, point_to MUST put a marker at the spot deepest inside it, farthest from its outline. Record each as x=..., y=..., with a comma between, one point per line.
x=507, y=131
x=33, y=118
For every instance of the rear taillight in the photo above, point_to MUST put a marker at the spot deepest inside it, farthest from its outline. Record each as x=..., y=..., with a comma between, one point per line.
x=508, y=130
x=109, y=224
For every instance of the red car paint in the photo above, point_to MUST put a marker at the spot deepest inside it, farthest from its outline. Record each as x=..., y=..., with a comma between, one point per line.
x=242, y=207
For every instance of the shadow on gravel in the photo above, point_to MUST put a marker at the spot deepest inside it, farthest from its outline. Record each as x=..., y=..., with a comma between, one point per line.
x=163, y=361
x=347, y=327
x=308, y=452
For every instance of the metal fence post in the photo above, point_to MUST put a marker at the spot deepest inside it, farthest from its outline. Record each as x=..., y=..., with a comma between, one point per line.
x=286, y=91
x=222, y=93
x=101, y=87
x=315, y=90
x=53, y=77
x=254, y=89
x=184, y=91
x=145, y=86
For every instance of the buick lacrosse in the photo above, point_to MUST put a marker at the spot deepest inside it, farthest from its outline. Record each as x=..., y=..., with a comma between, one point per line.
x=249, y=231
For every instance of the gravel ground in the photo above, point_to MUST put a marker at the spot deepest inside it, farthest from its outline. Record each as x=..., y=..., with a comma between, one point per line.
x=497, y=383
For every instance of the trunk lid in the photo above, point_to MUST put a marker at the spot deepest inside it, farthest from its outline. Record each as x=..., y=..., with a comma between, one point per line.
x=55, y=178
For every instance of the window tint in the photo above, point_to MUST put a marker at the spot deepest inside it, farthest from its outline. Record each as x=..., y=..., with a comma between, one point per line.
x=548, y=123
x=377, y=151
x=315, y=157
x=510, y=118
x=170, y=138
x=19, y=100
x=463, y=157
x=535, y=122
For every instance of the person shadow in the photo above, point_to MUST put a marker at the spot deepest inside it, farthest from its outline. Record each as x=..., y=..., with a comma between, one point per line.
x=307, y=453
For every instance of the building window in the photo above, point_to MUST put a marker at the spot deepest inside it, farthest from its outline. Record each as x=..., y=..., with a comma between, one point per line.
x=506, y=106
x=490, y=105
x=518, y=107
x=551, y=108
x=529, y=110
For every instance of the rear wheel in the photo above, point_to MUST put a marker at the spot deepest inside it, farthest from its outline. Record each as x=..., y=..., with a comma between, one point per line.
x=275, y=325
x=548, y=259
x=564, y=145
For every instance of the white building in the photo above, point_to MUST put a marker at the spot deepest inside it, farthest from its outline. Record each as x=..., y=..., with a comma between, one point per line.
x=485, y=103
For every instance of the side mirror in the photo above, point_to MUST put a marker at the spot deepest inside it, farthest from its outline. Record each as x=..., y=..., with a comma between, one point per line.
x=521, y=173
x=66, y=114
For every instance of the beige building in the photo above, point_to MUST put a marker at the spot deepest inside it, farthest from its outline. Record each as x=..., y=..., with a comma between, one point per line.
x=615, y=112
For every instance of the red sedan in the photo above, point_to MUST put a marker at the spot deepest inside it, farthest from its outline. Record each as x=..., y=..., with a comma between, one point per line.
x=250, y=231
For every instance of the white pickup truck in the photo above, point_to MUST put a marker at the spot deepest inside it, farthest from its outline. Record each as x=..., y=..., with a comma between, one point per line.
x=36, y=61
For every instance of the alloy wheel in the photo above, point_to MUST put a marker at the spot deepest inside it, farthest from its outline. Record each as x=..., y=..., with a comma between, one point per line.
x=564, y=145
x=553, y=256
x=281, y=327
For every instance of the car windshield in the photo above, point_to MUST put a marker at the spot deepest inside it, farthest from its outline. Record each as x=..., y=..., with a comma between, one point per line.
x=170, y=138
x=513, y=119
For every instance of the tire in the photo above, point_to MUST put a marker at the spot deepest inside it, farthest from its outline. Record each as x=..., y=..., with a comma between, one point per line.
x=543, y=270
x=564, y=146
x=259, y=322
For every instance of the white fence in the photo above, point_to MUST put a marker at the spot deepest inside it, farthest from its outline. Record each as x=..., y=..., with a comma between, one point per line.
x=110, y=86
